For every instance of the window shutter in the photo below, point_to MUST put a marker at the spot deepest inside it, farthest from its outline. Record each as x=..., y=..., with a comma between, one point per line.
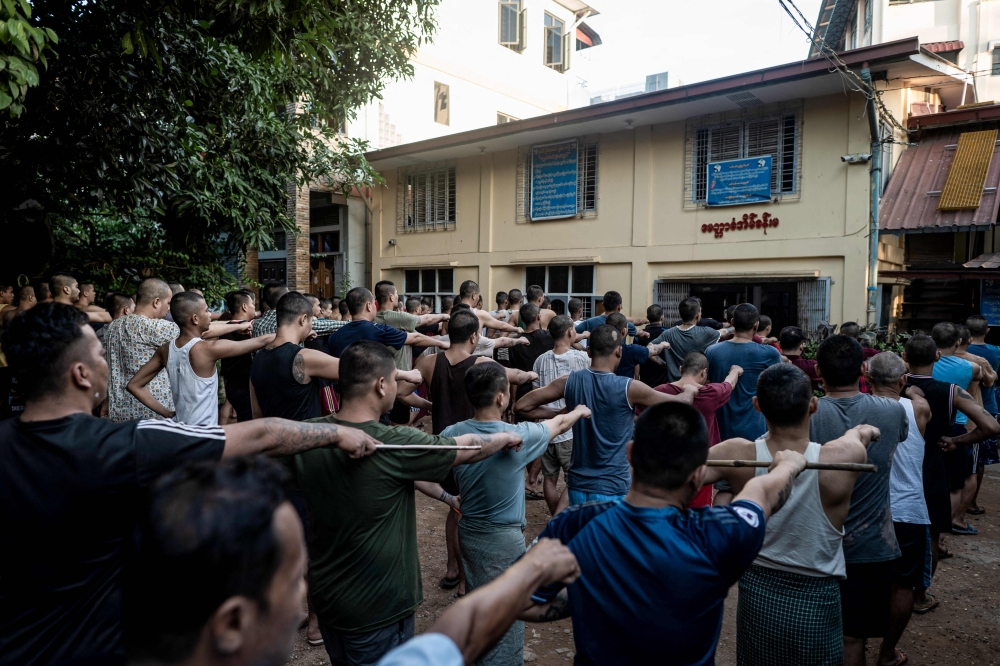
x=567, y=47
x=522, y=26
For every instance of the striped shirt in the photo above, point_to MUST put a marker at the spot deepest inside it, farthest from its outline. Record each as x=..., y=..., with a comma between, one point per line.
x=551, y=367
x=267, y=324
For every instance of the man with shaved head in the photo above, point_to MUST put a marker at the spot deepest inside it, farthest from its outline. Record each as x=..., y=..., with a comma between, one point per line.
x=66, y=290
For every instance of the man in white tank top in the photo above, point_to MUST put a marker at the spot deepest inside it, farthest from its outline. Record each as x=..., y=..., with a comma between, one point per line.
x=190, y=363
x=789, y=600
x=910, y=519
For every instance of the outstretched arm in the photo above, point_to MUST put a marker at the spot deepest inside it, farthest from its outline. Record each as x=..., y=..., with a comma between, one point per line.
x=642, y=395
x=508, y=341
x=734, y=375
x=480, y=619
x=489, y=444
x=532, y=406
x=436, y=492
x=489, y=321
x=771, y=491
x=518, y=377
x=230, y=348
x=218, y=329
x=429, y=319
x=421, y=340
x=311, y=363
x=563, y=422
x=138, y=385
x=986, y=426
x=281, y=437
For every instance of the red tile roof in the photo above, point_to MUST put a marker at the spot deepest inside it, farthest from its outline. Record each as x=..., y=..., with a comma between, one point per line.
x=910, y=202
x=944, y=47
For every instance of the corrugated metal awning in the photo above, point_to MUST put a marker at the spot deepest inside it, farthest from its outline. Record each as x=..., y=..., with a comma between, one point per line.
x=910, y=202
x=988, y=260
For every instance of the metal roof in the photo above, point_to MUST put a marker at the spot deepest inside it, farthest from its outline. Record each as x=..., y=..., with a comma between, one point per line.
x=944, y=47
x=987, y=260
x=909, y=204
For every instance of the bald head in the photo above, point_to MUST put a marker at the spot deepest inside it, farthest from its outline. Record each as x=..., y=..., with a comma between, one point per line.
x=151, y=289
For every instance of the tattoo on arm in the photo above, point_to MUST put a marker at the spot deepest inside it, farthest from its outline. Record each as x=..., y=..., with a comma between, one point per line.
x=557, y=609
x=488, y=442
x=962, y=393
x=290, y=437
x=299, y=369
x=784, y=494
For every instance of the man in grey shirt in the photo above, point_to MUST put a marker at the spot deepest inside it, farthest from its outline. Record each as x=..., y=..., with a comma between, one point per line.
x=869, y=538
x=686, y=338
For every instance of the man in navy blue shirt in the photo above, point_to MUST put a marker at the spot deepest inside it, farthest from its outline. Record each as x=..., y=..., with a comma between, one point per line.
x=654, y=576
x=363, y=308
x=612, y=303
x=632, y=354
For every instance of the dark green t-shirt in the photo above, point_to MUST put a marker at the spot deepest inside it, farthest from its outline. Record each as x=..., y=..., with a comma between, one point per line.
x=364, y=571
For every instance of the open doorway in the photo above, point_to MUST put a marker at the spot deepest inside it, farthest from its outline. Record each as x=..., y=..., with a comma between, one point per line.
x=777, y=300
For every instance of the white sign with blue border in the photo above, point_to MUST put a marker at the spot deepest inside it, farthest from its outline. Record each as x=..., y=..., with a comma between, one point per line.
x=989, y=301
x=742, y=181
x=553, y=180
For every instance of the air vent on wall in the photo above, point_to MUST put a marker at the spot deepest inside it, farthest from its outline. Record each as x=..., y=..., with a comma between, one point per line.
x=745, y=99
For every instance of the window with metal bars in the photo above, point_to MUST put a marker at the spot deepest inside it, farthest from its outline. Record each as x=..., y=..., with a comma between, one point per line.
x=561, y=283
x=586, y=180
x=433, y=282
x=777, y=136
x=427, y=200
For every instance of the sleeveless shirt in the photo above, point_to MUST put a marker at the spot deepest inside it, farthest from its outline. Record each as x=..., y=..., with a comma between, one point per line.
x=599, y=464
x=278, y=392
x=906, y=487
x=799, y=537
x=196, y=399
x=448, y=394
x=940, y=397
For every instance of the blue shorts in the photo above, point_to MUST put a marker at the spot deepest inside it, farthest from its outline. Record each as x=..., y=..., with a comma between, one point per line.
x=578, y=497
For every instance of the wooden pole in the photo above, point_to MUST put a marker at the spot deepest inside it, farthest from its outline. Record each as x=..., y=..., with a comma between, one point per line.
x=425, y=447
x=837, y=467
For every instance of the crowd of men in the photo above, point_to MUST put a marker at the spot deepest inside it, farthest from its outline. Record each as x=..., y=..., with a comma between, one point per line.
x=145, y=524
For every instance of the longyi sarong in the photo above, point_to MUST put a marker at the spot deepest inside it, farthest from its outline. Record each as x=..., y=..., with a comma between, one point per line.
x=786, y=618
x=489, y=549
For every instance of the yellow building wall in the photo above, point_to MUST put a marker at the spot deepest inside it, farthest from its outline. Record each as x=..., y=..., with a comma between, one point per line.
x=642, y=230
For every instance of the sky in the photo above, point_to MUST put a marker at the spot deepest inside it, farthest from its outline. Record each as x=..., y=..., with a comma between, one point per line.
x=693, y=40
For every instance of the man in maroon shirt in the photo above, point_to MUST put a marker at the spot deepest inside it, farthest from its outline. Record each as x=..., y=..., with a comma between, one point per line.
x=793, y=341
x=708, y=399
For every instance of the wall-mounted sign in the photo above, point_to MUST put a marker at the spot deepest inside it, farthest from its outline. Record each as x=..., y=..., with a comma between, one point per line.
x=989, y=301
x=553, y=180
x=746, y=223
x=741, y=181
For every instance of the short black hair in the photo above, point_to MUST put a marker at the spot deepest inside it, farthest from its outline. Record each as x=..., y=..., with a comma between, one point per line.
x=612, y=299
x=546, y=303
x=383, y=291
x=206, y=535
x=501, y=298
x=361, y=363
x=483, y=381
x=40, y=344
x=574, y=305
x=447, y=303
x=533, y=293
x=44, y=291
x=689, y=309
x=790, y=338
x=272, y=293
x=559, y=325
x=851, y=329
x=840, y=358
x=342, y=307
x=291, y=306
x=528, y=313
x=604, y=340
x=428, y=301
x=60, y=280
x=978, y=325
x=617, y=321
x=236, y=299
x=462, y=325
x=745, y=317
x=514, y=296
x=325, y=303
x=468, y=289
x=150, y=289
x=183, y=305
x=115, y=302
x=730, y=312
x=654, y=313
x=921, y=350
x=964, y=336
x=694, y=362
x=765, y=322
x=945, y=335
x=357, y=298
x=175, y=288
x=670, y=442
x=784, y=393
x=413, y=304
x=24, y=293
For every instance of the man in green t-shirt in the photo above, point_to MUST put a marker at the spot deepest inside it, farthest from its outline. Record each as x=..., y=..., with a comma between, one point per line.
x=388, y=297
x=364, y=571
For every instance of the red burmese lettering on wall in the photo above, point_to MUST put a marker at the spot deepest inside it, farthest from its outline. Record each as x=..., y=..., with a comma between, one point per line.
x=748, y=221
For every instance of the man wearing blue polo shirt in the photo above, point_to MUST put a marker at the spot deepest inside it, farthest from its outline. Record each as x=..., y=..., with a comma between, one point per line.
x=612, y=303
x=363, y=308
x=654, y=576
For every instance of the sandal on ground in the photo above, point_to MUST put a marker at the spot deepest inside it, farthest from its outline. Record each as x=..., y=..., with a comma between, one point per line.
x=975, y=511
x=900, y=658
x=313, y=643
x=449, y=583
x=968, y=530
x=931, y=604
x=945, y=554
x=532, y=495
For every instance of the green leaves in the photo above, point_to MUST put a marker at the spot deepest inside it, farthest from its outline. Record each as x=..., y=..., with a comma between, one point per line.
x=22, y=43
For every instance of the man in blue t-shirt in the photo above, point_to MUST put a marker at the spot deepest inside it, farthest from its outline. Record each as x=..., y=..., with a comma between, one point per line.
x=654, y=576
x=988, y=453
x=363, y=308
x=633, y=354
x=738, y=418
x=612, y=303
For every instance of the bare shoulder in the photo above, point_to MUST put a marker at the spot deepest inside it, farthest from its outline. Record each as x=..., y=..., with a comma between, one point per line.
x=844, y=450
x=733, y=449
x=920, y=405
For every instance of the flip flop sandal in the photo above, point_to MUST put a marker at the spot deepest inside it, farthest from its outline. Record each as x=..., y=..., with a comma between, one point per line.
x=976, y=511
x=945, y=554
x=920, y=610
x=449, y=583
x=900, y=658
x=532, y=495
x=968, y=530
x=314, y=643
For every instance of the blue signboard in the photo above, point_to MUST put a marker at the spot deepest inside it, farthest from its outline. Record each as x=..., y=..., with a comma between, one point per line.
x=989, y=301
x=741, y=181
x=553, y=181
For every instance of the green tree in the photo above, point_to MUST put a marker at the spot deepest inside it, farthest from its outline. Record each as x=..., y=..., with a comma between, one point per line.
x=165, y=136
x=22, y=44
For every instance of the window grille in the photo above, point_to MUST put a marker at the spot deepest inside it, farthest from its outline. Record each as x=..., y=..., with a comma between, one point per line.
x=562, y=283
x=752, y=132
x=668, y=295
x=426, y=200
x=433, y=282
x=586, y=179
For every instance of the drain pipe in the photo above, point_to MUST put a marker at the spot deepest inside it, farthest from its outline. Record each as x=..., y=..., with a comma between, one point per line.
x=876, y=177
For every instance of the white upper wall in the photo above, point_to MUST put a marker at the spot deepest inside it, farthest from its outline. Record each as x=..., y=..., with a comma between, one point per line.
x=483, y=76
